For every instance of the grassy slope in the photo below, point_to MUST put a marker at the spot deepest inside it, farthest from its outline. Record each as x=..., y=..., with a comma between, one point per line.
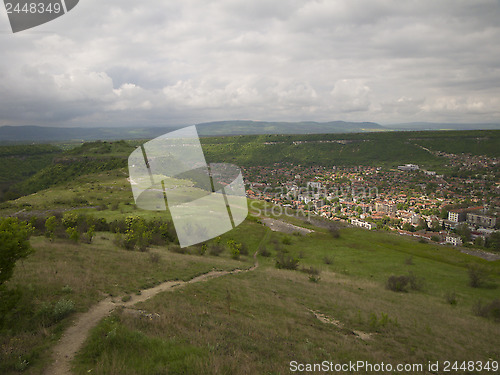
x=258, y=322
x=269, y=322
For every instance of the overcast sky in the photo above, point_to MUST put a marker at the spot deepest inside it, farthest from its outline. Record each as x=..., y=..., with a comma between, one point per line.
x=150, y=62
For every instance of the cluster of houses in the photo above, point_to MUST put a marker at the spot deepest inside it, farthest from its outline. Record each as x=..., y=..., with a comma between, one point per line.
x=346, y=195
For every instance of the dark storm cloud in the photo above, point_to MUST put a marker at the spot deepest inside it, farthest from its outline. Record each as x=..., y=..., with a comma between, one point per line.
x=153, y=63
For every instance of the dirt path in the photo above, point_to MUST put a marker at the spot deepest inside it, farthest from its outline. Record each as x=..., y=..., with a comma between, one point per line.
x=74, y=337
x=282, y=226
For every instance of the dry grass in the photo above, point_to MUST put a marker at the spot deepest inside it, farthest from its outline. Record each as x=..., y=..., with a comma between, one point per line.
x=83, y=274
x=270, y=324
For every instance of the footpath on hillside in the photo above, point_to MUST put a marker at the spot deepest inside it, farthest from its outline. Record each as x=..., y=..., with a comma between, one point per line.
x=74, y=337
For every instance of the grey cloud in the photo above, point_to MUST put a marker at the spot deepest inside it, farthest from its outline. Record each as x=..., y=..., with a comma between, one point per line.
x=117, y=62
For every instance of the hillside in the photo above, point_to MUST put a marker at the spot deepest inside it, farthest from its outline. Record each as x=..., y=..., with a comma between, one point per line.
x=375, y=149
x=333, y=307
x=19, y=162
x=61, y=167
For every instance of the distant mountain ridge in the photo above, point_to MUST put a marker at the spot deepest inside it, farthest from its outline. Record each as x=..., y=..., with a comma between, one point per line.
x=218, y=128
x=242, y=127
x=442, y=126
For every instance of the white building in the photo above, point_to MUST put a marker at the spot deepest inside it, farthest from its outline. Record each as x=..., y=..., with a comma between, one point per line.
x=362, y=224
x=409, y=167
x=453, y=239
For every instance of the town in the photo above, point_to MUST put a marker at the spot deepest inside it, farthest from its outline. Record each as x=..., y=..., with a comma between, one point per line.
x=458, y=208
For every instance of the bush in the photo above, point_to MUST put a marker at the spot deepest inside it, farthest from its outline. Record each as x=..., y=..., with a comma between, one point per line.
x=403, y=283
x=397, y=283
x=477, y=275
x=334, y=231
x=14, y=245
x=51, y=225
x=73, y=234
x=264, y=252
x=62, y=309
x=215, y=249
x=286, y=240
x=284, y=261
x=234, y=249
x=451, y=298
x=314, y=278
x=176, y=249
x=491, y=310
x=244, y=249
x=416, y=283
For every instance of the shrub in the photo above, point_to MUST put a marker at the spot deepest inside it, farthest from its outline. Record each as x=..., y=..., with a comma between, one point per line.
x=409, y=260
x=334, y=231
x=416, y=283
x=451, y=298
x=491, y=310
x=477, y=275
x=215, y=249
x=284, y=261
x=314, y=278
x=264, y=252
x=234, y=249
x=286, y=240
x=244, y=249
x=89, y=236
x=62, y=309
x=73, y=234
x=176, y=249
x=50, y=227
x=14, y=245
x=397, y=283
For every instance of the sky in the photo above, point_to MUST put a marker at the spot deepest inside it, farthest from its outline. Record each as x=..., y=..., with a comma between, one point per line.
x=166, y=63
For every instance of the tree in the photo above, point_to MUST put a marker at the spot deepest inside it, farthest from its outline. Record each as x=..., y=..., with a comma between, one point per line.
x=14, y=245
x=493, y=241
x=464, y=232
x=50, y=227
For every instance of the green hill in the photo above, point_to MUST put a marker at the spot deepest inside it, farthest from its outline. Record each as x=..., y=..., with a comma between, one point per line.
x=62, y=167
x=19, y=162
x=375, y=149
